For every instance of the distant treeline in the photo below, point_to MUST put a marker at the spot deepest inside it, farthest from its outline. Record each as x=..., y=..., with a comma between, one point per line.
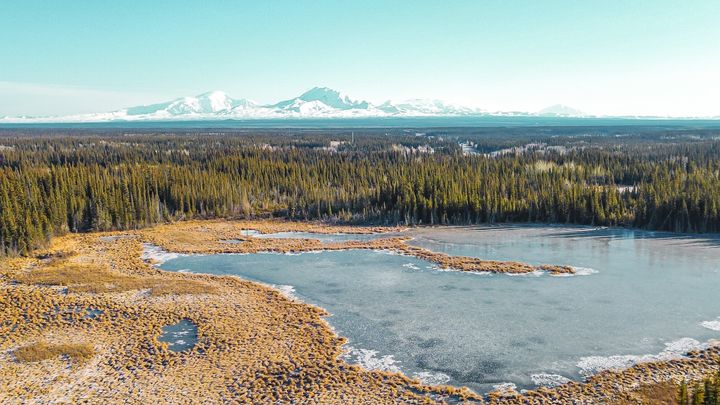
x=51, y=185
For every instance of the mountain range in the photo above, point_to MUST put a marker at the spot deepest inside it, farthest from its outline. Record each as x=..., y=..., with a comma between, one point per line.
x=318, y=102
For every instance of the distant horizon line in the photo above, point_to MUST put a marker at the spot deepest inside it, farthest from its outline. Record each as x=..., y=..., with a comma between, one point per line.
x=376, y=123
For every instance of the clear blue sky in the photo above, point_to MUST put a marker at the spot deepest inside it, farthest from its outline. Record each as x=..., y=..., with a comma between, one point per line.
x=609, y=57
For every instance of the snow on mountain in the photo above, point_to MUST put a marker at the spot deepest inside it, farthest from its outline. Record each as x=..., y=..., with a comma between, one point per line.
x=318, y=102
x=560, y=110
x=206, y=103
x=416, y=107
x=322, y=95
x=305, y=107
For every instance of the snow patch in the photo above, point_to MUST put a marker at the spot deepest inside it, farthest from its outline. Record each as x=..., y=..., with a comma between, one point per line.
x=712, y=325
x=594, y=364
x=534, y=273
x=286, y=290
x=388, y=252
x=369, y=359
x=157, y=255
x=432, y=378
x=579, y=271
x=584, y=271
x=507, y=386
x=548, y=380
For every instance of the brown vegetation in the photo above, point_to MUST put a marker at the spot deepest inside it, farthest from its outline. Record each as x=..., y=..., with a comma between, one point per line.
x=93, y=278
x=655, y=394
x=40, y=351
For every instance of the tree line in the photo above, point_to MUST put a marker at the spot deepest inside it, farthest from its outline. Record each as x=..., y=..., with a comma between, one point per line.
x=50, y=185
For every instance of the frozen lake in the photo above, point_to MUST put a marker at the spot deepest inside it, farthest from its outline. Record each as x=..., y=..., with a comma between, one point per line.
x=643, y=296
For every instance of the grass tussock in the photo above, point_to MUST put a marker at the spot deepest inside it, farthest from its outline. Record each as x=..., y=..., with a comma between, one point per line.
x=81, y=278
x=655, y=394
x=55, y=256
x=179, y=287
x=96, y=279
x=43, y=351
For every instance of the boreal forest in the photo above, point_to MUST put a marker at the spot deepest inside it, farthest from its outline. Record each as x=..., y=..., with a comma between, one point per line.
x=58, y=181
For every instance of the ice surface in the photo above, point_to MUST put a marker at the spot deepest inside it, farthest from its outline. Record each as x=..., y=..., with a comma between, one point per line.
x=401, y=313
x=157, y=254
x=712, y=325
x=180, y=336
x=548, y=380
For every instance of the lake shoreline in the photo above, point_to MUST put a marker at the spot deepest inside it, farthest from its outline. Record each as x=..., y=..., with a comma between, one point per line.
x=223, y=307
x=248, y=244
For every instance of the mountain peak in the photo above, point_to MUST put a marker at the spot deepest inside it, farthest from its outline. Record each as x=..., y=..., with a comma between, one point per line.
x=211, y=102
x=321, y=90
x=560, y=110
x=214, y=101
x=330, y=98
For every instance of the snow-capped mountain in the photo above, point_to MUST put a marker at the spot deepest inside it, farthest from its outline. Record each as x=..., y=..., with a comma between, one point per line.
x=322, y=98
x=318, y=102
x=206, y=103
x=560, y=110
x=426, y=107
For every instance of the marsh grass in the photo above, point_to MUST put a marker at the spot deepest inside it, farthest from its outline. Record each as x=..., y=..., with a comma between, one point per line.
x=87, y=278
x=40, y=351
x=179, y=287
x=655, y=394
x=55, y=256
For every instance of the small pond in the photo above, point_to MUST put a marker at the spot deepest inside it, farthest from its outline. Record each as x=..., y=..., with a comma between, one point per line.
x=180, y=336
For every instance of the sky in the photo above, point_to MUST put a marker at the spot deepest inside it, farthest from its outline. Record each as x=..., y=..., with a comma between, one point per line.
x=608, y=58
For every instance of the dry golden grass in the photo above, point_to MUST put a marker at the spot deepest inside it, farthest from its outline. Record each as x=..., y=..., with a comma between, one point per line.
x=179, y=287
x=40, y=351
x=656, y=394
x=69, y=275
x=55, y=256
x=81, y=278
